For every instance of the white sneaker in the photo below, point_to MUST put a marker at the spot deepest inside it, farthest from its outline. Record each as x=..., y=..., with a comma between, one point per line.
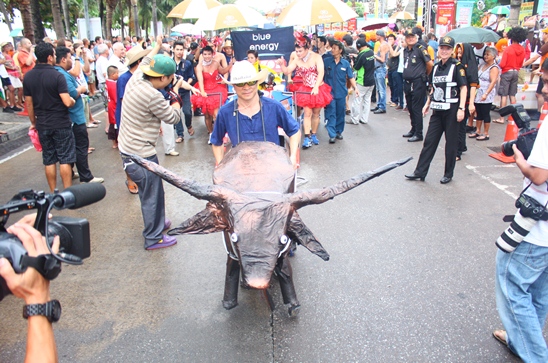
x=173, y=153
x=96, y=180
x=92, y=126
x=209, y=140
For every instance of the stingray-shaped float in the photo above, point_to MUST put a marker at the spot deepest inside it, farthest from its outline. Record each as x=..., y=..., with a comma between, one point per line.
x=251, y=202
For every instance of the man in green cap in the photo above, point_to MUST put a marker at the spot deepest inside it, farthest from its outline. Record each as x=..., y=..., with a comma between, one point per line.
x=143, y=109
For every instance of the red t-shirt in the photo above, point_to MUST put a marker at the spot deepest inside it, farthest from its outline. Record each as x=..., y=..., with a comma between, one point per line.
x=111, y=91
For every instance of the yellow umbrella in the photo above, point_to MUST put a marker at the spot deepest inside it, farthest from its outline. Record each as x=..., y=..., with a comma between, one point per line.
x=192, y=9
x=402, y=15
x=229, y=16
x=312, y=12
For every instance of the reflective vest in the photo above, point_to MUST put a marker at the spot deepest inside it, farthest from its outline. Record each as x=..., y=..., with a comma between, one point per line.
x=445, y=88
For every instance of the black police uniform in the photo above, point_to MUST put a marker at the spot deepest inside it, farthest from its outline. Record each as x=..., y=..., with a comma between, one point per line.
x=414, y=85
x=446, y=80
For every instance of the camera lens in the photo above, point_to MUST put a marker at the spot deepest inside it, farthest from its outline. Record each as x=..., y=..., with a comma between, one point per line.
x=506, y=147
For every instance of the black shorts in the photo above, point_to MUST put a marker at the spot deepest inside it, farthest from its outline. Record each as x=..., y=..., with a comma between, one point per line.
x=57, y=146
x=540, y=86
x=6, y=81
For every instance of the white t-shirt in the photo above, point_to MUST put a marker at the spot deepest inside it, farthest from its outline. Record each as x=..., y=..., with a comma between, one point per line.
x=115, y=61
x=101, y=66
x=539, y=158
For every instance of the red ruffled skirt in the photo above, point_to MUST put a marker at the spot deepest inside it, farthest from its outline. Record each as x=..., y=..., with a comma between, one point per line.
x=322, y=99
x=216, y=97
x=297, y=83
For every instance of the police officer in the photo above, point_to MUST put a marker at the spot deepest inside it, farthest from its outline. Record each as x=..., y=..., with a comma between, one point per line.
x=417, y=66
x=447, y=100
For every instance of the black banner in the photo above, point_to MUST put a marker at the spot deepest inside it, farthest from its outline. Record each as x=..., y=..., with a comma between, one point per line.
x=269, y=43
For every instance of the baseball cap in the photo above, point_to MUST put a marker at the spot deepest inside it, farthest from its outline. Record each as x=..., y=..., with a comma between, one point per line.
x=360, y=43
x=193, y=45
x=160, y=65
x=409, y=33
x=447, y=41
x=381, y=33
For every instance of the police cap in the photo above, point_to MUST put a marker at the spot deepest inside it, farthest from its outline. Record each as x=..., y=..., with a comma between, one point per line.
x=447, y=41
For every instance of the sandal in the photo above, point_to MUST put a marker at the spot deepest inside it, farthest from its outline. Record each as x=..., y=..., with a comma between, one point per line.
x=458, y=158
x=473, y=136
x=483, y=138
x=179, y=140
x=191, y=130
x=498, y=121
x=133, y=188
x=501, y=336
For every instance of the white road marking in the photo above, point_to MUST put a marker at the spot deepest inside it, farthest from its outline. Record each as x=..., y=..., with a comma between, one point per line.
x=502, y=187
x=16, y=154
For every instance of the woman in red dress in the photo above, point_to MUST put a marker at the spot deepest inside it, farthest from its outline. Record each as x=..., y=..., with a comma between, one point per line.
x=313, y=94
x=213, y=93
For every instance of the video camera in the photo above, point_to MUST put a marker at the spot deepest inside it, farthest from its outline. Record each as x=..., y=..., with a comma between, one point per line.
x=526, y=136
x=73, y=232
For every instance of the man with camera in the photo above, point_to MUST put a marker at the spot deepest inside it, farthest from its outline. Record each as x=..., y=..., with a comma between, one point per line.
x=33, y=288
x=522, y=273
x=144, y=108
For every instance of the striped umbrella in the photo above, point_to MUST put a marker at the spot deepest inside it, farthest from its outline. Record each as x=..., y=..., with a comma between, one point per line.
x=402, y=15
x=192, y=9
x=229, y=16
x=312, y=12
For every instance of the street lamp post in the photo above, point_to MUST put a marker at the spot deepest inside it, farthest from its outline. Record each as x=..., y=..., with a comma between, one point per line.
x=86, y=16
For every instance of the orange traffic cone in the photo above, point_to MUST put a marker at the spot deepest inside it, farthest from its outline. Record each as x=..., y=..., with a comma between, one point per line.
x=24, y=112
x=543, y=114
x=511, y=134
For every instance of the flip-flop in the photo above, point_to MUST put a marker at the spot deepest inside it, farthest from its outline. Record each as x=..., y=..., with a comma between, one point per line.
x=191, y=130
x=483, y=138
x=501, y=336
x=133, y=189
x=498, y=121
x=473, y=136
x=179, y=140
x=3, y=132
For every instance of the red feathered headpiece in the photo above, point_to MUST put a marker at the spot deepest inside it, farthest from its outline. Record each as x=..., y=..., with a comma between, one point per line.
x=300, y=39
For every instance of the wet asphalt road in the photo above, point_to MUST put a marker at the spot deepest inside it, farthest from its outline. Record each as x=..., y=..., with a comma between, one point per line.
x=410, y=279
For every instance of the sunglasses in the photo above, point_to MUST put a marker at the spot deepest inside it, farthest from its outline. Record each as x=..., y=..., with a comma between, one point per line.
x=250, y=83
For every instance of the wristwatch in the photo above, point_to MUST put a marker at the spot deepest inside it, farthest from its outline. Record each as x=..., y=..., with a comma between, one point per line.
x=51, y=310
x=461, y=108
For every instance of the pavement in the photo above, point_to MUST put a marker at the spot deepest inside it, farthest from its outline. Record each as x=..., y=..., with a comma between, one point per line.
x=410, y=279
x=17, y=128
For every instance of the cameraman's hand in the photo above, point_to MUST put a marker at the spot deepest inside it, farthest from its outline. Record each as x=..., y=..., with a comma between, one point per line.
x=30, y=286
x=518, y=155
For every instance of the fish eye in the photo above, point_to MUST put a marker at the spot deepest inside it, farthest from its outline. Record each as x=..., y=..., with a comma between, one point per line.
x=284, y=239
x=234, y=237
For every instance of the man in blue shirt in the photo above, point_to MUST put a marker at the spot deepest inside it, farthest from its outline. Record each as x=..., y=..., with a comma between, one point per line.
x=337, y=71
x=77, y=116
x=252, y=117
